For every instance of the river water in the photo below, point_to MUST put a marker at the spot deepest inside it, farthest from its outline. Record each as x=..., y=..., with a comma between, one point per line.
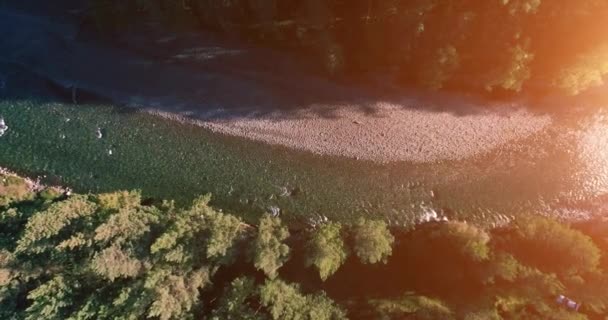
x=560, y=171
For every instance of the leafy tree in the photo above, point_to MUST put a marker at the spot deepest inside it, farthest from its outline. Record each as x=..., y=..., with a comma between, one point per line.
x=326, y=249
x=284, y=301
x=588, y=70
x=514, y=71
x=175, y=294
x=372, y=241
x=485, y=314
x=113, y=263
x=270, y=253
x=110, y=257
x=46, y=225
x=119, y=200
x=469, y=240
x=411, y=306
x=552, y=246
x=235, y=303
x=51, y=300
x=440, y=69
x=503, y=266
x=13, y=189
x=50, y=193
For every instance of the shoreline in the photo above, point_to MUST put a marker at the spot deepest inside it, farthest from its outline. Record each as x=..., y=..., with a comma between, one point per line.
x=33, y=185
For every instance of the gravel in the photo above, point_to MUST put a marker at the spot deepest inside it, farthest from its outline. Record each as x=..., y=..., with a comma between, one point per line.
x=390, y=133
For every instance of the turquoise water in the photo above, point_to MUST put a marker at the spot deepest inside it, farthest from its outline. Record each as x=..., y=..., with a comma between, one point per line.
x=170, y=160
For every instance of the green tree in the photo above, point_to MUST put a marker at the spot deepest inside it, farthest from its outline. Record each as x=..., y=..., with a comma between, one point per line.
x=553, y=247
x=373, y=242
x=586, y=71
x=326, y=249
x=270, y=253
x=13, y=189
x=51, y=300
x=467, y=239
x=236, y=301
x=285, y=302
x=411, y=306
x=46, y=226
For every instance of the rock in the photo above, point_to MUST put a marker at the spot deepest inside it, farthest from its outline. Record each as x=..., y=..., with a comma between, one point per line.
x=3, y=127
x=274, y=211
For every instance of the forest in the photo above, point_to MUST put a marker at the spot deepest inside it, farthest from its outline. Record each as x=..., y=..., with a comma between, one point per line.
x=497, y=46
x=119, y=256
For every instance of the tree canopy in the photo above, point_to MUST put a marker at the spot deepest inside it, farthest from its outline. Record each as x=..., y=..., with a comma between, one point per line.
x=326, y=249
x=109, y=256
x=472, y=44
x=270, y=251
x=373, y=242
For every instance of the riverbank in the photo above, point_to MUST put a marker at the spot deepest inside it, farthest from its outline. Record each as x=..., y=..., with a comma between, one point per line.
x=281, y=106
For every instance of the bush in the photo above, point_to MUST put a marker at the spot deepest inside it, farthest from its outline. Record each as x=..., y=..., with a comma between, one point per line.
x=587, y=71
x=269, y=250
x=13, y=189
x=412, y=306
x=464, y=238
x=373, y=242
x=553, y=247
x=326, y=249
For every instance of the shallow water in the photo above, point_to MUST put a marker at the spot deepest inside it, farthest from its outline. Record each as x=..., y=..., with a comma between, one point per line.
x=558, y=171
x=555, y=172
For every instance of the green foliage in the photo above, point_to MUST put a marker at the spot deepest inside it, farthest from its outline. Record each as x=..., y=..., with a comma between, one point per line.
x=478, y=44
x=552, y=246
x=13, y=189
x=588, y=70
x=503, y=266
x=50, y=300
x=467, y=239
x=113, y=263
x=440, y=69
x=486, y=314
x=235, y=303
x=513, y=73
x=224, y=230
x=200, y=221
x=174, y=295
x=128, y=224
x=110, y=257
x=118, y=200
x=412, y=306
x=326, y=249
x=285, y=302
x=372, y=241
x=50, y=194
x=45, y=225
x=270, y=253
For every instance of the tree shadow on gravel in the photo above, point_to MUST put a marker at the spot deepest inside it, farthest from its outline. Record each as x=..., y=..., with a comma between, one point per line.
x=201, y=76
